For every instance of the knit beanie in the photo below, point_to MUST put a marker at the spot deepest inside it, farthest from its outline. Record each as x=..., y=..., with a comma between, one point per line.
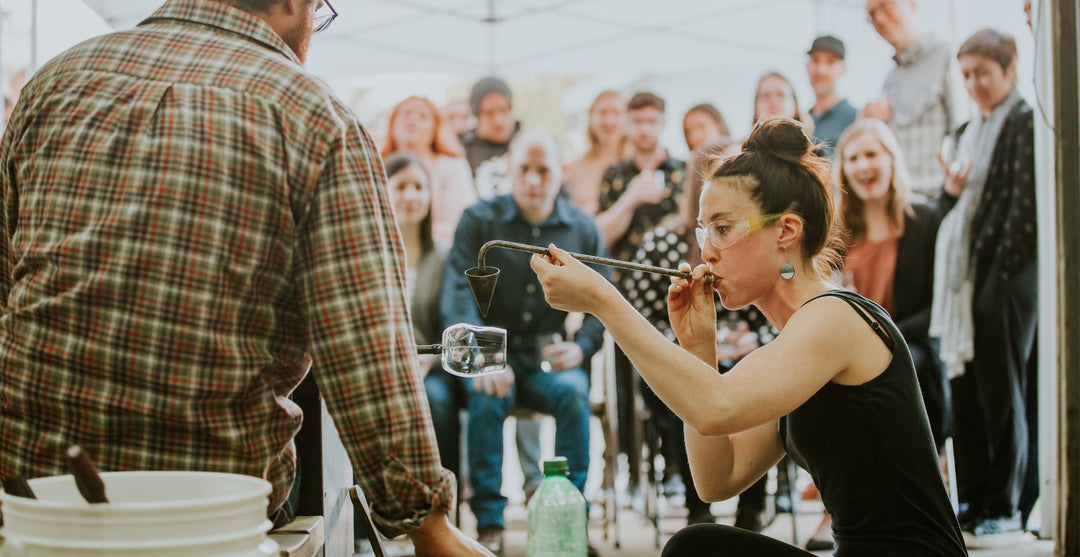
x=485, y=86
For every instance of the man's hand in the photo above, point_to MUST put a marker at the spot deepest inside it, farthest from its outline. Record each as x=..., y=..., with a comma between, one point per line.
x=563, y=355
x=497, y=384
x=436, y=537
x=956, y=175
x=644, y=189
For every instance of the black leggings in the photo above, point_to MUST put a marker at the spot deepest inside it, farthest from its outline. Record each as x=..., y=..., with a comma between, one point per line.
x=717, y=540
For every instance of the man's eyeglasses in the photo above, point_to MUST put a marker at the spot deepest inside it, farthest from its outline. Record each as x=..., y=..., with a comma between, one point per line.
x=324, y=16
x=722, y=234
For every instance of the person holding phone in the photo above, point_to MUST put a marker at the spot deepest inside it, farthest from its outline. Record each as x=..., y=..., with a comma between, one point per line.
x=635, y=196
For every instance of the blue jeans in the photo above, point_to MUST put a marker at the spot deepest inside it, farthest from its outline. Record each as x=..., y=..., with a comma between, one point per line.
x=563, y=395
x=446, y=396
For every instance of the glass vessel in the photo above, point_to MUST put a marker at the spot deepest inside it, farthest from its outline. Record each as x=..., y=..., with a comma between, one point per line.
x=470, y=350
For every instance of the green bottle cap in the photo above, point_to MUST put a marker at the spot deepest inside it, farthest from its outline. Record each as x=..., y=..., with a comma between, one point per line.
x=556, y=467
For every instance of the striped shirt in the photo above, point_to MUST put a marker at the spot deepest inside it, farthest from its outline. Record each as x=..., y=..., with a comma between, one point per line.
x=920, y=92
x=192, y=223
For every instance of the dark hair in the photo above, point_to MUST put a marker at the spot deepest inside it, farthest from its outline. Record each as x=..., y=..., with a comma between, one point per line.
x=712, y=112
x=790, y=178
x=400, y=161
x=995, y=45
x=644, y=100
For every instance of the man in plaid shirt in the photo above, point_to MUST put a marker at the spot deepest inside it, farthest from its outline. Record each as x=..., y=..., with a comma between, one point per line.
x=192, y=222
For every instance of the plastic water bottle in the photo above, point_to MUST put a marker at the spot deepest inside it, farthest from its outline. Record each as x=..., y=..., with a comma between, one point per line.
x=557, y=516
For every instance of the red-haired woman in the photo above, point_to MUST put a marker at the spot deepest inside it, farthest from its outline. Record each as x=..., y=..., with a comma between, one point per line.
x=416, y=127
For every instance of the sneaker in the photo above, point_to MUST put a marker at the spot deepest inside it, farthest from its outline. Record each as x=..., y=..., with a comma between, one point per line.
x=751, y=521
x=491, y=537
x=994, y=532
x=820, y=545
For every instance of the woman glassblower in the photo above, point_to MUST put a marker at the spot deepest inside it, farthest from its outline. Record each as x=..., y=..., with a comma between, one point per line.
x=836, y=388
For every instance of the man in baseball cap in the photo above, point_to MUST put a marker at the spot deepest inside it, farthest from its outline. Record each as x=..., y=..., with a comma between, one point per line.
x=832, y=114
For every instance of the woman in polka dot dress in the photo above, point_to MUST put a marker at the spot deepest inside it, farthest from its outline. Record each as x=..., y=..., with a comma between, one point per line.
x=739, y=332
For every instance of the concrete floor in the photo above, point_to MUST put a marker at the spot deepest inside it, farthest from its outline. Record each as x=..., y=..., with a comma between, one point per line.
x=636, y=532
x=638, y=536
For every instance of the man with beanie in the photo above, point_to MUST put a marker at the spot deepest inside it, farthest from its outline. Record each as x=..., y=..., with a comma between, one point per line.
x=490, y=139
x=832, y=114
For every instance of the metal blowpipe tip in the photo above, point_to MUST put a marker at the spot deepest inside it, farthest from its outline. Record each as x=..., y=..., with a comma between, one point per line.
x=482, y=278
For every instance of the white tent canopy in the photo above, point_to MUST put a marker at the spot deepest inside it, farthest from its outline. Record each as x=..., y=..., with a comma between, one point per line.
x=688, y=51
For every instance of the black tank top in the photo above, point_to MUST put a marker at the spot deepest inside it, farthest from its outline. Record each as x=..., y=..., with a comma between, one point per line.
x=870, y=452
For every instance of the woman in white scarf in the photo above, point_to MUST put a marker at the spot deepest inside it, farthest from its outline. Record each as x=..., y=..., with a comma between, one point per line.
x=984, y=310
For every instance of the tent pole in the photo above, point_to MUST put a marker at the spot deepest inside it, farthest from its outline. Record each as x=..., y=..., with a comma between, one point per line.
x=33, y=39
x=1063, y=21
x=1043, y=102
x=491, y=37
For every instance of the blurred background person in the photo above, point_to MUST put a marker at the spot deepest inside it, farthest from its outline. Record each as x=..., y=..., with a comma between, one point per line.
x=918, y=98
x=985, y=309
x=703, y=124
x=486, y=144
x=775, y=98
x=741, y=331
x=606, y=134
x=533, y=213
x=458, y=118
x=832, y=114
x=416, y=127
x=636, y=194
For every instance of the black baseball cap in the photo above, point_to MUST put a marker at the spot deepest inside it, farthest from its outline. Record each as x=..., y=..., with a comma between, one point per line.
x=828, y=43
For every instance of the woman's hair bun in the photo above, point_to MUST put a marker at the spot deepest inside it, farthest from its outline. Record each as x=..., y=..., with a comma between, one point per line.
x=781, y=137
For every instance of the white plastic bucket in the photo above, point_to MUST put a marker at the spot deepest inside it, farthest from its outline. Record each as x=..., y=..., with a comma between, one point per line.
x=165, y=514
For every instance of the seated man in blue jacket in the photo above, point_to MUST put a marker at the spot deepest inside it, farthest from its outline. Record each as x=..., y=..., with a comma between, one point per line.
x=533, y=213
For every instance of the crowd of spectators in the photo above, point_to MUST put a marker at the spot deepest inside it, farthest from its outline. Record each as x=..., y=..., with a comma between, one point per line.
x=909, y=210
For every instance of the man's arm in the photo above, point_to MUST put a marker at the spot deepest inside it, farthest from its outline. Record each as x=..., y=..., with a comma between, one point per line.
x=350, y=288
x=616, y=210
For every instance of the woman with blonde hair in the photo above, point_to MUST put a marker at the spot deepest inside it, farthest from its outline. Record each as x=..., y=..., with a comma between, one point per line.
x=416, y=127
x=606, y=133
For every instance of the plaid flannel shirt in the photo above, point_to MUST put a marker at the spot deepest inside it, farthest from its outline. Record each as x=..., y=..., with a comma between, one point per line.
x=923, y=98
x=192, y=222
